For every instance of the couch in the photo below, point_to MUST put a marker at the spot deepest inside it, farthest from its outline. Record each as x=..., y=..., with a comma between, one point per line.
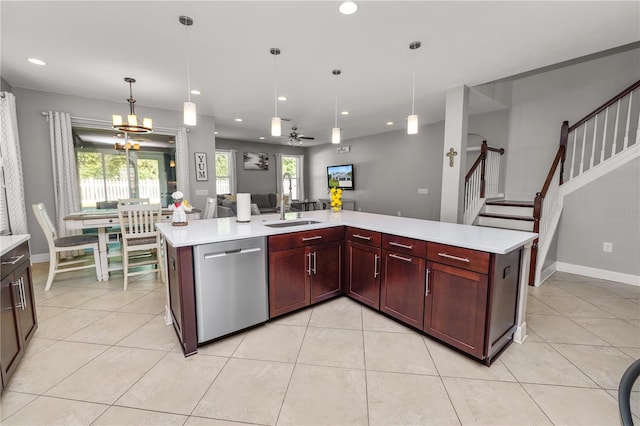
x=266, y=203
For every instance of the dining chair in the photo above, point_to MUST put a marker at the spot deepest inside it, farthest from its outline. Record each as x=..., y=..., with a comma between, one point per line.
x=63, y=244
x=140, y=238
x=210, y=208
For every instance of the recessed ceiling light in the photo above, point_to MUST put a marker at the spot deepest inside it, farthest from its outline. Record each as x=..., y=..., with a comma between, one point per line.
x=389, y=123
x=196, y=92
x=239, y=120
x=345, y=113
x=282, y=98
x=261, y=138
x=348, y=8
x=215, y=133
x=36, y=61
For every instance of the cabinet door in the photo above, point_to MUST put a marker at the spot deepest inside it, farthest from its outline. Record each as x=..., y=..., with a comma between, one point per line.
x=326, y=270
x=402, y=287
x=288, y=284
x=455, y=307
x=12, y=343
x=363, y=273
x=28, y=319
x=182, y=296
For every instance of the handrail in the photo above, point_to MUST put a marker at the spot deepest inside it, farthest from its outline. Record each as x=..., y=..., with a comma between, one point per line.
x=474, y=167
x=552, y=170
x=500, y=150
x=484, y=148
x=606, y=105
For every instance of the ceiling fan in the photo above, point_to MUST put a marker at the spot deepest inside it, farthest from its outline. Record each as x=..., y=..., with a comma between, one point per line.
x=295, y=138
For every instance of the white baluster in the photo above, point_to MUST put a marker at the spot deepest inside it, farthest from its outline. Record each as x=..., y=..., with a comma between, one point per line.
x=626, y=131
x=615, y=130
x=604, y=134
x=573, y=154
x=584, y=143
x=593, y=144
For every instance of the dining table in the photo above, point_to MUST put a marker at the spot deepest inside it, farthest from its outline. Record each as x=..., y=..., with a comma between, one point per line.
x=102, y=220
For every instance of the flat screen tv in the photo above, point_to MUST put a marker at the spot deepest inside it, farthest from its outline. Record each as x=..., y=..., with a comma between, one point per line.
x=340, y=176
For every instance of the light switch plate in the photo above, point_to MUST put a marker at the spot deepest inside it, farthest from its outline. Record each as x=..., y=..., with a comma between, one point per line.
x=202, y=192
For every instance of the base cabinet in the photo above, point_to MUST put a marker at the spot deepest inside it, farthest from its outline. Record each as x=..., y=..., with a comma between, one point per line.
x=19, y=320
x=402, y=288
x=363, y=258
x=304, y=268
x=182, y=299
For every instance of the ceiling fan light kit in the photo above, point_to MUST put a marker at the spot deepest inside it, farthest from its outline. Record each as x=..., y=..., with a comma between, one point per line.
x=412, y=120
x=348, y=7
x=132, y=125
x=190, y=113
x=276, y=122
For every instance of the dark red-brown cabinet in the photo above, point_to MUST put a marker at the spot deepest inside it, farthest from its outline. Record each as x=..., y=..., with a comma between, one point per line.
x=363, y=263
x=182, y=301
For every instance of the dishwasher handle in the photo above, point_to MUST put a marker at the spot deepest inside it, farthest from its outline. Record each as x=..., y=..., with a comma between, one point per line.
x=232, y=252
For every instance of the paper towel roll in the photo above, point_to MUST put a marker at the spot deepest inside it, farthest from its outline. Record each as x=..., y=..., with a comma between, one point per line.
x=243, y=207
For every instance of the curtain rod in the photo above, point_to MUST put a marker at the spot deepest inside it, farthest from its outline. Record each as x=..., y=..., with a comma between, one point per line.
x=45, y=114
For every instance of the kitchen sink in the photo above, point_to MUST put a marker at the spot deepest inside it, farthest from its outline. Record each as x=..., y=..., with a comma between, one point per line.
x=286, y=224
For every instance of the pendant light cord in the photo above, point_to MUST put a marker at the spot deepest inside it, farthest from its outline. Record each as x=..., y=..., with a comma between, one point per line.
x=413, y=90
x=336, y=106
x=275, y=84
x=186, y=28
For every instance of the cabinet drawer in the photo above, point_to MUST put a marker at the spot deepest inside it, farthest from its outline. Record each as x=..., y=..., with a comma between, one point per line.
x=14, y=258
x=465, y=258
x=305, y=238
x=404, y=245
x=363, y=236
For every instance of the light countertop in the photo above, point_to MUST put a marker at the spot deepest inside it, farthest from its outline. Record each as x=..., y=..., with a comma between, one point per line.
x=492, y=240
x=9, y=242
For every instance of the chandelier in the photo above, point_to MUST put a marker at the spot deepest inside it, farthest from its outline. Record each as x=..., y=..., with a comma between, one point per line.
x=132, y=125
x=126, y=146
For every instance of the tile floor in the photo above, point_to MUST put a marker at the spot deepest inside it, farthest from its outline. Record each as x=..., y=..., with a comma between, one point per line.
x=102, y=356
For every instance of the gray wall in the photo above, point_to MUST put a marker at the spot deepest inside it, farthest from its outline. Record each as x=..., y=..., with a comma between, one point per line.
x=604, y=210
x=36, y=151
x=4, y=86
x=258, y=181
x=494, y=126
x=540, y=104
x=388, y=170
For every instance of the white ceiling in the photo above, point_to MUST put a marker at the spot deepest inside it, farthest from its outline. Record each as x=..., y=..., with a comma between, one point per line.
x=90, y=46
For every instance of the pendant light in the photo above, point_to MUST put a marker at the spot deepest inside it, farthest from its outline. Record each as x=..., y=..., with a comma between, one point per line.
x=276, y=122
x=335, y=132
x=189, y=107
x=412, y=120
x=131, y=125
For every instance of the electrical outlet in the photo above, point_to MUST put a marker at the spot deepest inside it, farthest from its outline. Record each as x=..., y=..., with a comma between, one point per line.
x=399, y=213
x=359, y=209
x=607, y=247
x=423, y=191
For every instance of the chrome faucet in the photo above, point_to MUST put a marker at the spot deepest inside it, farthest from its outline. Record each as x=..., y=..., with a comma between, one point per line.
x=288, y=176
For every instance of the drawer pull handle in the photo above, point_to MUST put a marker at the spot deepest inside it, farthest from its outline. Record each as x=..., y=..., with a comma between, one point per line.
x=404, y=259
x=448, y=256
x=426, y=284
x=317, y=237
x=14, y=261
x=308, y=264
x=393, y=243
x=362, y=237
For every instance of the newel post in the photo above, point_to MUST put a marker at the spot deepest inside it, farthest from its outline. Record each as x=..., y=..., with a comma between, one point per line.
x=564, y=137
x=483, y=154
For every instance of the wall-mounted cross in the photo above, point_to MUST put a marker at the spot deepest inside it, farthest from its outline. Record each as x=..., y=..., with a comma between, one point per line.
x=452, y=153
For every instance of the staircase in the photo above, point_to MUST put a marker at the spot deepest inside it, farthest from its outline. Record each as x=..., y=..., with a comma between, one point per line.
x=595, y=145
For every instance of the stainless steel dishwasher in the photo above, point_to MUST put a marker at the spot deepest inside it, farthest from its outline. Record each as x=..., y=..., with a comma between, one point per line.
x=231, y=286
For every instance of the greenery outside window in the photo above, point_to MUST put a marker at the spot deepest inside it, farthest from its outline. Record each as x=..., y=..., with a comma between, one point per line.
x=223, y=172
x=294, y=165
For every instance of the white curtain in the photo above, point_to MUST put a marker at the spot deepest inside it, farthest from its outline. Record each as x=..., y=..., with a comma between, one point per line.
x=278, y=173
x=12, y=164
x=300, y=177
x=233, y=178
x=63, y=160
x=182, y=163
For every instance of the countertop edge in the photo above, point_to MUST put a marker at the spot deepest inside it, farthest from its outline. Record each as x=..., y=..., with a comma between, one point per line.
x=9, y=242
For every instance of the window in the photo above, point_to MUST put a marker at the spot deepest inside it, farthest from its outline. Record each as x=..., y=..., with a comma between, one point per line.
x=223, y=172
x=102, y=168
x=294, y=165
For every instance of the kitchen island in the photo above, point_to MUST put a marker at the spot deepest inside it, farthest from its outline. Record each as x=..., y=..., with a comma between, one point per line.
x=463, y=285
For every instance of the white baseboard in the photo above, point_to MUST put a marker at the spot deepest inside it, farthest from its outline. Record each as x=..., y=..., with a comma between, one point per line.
x=547, y=272
x=39, y=258
x=602, y=274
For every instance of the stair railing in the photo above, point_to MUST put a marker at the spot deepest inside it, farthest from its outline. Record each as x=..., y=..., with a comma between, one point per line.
x=578, y=139
x=481, y=181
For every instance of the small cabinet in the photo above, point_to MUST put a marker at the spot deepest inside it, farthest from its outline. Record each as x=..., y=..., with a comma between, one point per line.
x=403, y=279
x=19, y=320
x=363, y=258
x=304, y=268
x=182, y=296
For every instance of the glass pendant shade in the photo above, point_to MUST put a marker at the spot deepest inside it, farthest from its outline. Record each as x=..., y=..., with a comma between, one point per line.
x=276, y=126
x=116, y=120
x=189, y=113
x=412, y=125
x=132, y=120
x=147, y=122
x=335, y=135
